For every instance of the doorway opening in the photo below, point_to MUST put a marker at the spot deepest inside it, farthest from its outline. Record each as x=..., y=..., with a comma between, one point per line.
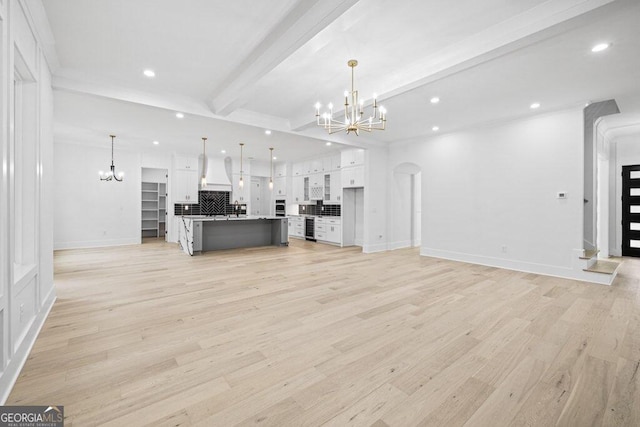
x=353, y=216
x=407, y=206
x=154, y=204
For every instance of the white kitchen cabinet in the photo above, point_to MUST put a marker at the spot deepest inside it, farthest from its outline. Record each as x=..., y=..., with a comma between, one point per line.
x=327, y=164
x=186, y=163
x=315, y=166
x=297, y=189
x=334, y=232
x=336, y=161
x=316, y=179
x=328, y=229
x=296, y=226
x=316, y=186
x=353, y=157
x=320, y=231
x=332, y=188
x=306, y=189
x=353, y=177
x=280, y=170
x=279, y=186
x=298, y=169
x=186, y=187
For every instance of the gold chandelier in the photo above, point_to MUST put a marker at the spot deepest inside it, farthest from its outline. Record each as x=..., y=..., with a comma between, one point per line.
x=354, y=120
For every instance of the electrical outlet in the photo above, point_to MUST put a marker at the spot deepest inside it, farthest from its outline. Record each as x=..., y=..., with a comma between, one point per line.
x=21, y=312
x=504, y=249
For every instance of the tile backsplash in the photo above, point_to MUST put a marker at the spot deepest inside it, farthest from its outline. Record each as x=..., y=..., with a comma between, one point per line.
x=319, y=209
x=210, y=203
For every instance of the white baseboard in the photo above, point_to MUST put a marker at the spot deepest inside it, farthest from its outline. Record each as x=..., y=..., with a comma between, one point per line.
x=399, y=245
x=97, y=243
x=527, y=267
x=378, y=247
x=16, y=363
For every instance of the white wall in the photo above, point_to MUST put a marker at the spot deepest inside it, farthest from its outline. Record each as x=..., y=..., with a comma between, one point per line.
x=89, y=212
x=495, y=187
x=377, y=174
x=154, y=175
x=27, y=291
x=627, y=153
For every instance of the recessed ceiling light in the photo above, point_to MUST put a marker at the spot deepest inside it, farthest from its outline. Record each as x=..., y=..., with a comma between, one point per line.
x=435, y=100
x=534, y=105
x=267, y=132
x=149, y=73
x=223, y=151
x=328, y=144
x=179, y=115
x=435, y=128
x=600, y=47
x=156, y=142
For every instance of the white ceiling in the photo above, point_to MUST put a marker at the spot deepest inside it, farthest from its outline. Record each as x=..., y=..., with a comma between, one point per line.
x=229, y=64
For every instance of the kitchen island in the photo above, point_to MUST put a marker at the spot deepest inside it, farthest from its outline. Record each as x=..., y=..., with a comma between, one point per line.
x=201, y=233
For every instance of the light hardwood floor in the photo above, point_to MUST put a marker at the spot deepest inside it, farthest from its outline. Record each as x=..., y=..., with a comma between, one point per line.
x=313, y=334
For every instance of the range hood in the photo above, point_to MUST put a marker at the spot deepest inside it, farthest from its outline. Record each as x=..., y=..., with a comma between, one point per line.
x=216, y=173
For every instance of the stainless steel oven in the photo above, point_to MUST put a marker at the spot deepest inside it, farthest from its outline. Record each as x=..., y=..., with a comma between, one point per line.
x=281, y=207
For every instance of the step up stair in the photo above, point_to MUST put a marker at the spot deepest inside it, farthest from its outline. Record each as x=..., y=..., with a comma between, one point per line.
x=589, y=253
x=594, y=269
x=603, y=267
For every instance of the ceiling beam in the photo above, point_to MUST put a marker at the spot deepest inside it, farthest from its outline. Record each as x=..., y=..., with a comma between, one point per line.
x=302, y=23
x=535, y=24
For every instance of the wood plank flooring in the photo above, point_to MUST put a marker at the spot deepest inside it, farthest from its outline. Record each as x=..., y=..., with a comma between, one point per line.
x=317, y=335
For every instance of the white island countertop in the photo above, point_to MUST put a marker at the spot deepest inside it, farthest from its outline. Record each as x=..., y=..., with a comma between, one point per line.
x=230, y=217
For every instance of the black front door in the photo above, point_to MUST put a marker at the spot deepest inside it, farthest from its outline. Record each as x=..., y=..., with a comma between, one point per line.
x=631, y=210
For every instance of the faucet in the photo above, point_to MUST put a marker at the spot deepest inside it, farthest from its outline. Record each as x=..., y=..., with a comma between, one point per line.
x=237, y=209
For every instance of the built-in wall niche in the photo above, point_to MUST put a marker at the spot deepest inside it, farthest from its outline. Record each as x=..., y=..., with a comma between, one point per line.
x=154, y=203
x=23, y=150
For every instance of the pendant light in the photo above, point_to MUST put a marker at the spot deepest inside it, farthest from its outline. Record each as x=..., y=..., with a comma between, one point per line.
x=271, y=168
x=241, y=182
x=203, y=178
x=111, y=175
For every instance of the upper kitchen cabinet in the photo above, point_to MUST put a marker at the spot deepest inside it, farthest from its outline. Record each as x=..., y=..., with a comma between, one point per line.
x=280, y=170
x=353, y=157
x=298, y=169
x=353, y=177
x=186, y=188
x=279, y=186
x=336, y=161
x=333, y=187
x=297, y=189
x=315, y=166
x=186, y=179
x=327, y=164
x=186, y=163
